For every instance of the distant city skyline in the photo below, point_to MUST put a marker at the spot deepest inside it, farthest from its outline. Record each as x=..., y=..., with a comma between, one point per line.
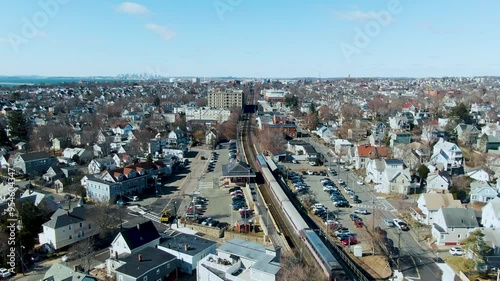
x=254, y=39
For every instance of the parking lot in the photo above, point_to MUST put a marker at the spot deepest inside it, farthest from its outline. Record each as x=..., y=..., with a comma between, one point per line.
x=344, y=217
x=218, y=203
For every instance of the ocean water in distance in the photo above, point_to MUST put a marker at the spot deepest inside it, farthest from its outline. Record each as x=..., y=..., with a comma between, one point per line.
x=18, y=81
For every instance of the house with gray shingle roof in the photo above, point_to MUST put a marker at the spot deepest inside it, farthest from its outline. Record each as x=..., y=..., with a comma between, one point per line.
x=67, y=227
x=452, y=225
x=32, y=163
x=61, y=272
x=237, y=171
x=147, y=264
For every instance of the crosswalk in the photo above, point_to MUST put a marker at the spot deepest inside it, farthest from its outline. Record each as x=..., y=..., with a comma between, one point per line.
x=362, y=206
x=151, y=216
x=137, y=210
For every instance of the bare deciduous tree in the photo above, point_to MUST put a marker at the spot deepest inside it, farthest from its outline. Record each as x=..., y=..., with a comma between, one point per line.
x=293, y=269
x=271, y=140
x=106, y=217
x=85, y=251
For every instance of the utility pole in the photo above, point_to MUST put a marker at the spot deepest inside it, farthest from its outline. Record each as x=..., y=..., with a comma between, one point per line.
x=373, y=217
x=399, y=248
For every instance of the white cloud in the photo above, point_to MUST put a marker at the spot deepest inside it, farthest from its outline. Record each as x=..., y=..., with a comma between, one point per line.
x=164, y=32
x=356, y=15
x=132, y=8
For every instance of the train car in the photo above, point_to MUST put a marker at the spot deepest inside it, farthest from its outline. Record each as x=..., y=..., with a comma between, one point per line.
x=261, y=162
x=294, y=217
x=321, y=253
x=274, y=186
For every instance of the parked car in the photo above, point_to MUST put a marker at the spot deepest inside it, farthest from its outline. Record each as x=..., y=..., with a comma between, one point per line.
x=357, y=201
x=312, y=163
x=456, y=251
x=360, y=182
x=4, y=273
x=203, y=158
x=355, y=217
x=341, y=231
x=358, y=223
x=295, y=161
x=350, y=241
x=342, y=204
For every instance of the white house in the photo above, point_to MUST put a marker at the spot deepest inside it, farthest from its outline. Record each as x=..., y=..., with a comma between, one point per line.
x=135, y=239
x=452, y=225
x=491, y=214
x=446, y=155
x=82, y=153
x=66, y=228
x=428, y=204
x=98, y=165
x=389, y=175
x=131, y=241
x=252, y=261
x=482, y=192
x=438, y=182
x=479, y=175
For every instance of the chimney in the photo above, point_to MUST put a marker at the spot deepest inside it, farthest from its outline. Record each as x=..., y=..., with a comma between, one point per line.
x=139, y=257
x=116, y=255
x=186, y=247
x=75, y=268
x=139, y=226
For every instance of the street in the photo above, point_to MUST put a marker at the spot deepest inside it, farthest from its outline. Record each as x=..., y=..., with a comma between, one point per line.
x=416, y=259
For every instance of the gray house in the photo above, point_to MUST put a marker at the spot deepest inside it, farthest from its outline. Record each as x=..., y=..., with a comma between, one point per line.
x=60, y=271
x=148, y=264
x=32, y=163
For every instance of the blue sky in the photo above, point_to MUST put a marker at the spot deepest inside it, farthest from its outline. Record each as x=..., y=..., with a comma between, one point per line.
x=250, y=38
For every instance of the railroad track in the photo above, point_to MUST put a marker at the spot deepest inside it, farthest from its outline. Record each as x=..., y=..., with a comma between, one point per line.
x=248, y=139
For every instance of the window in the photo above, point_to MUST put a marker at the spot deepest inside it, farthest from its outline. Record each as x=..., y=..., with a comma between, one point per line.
x=452, y=229
x=90, y=226
x=81, y=224
x=157, y=271
x=145, y=278
x=168, y=265
x=442, y=236
x=459, y=236
x=120, y=277
x=70, y=237
x=69, y=227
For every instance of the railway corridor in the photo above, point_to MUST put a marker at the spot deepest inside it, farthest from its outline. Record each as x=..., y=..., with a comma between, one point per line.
x=264, y=203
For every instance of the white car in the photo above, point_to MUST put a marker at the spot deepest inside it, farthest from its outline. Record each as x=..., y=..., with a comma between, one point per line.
x=456, y=251
x=360, y=182
x=318, y=206
x=295, y=161
x=310, y=172
x=361, y=211
x=312, y=163
x=4, y=273
x=389, y=223
x=401, y=224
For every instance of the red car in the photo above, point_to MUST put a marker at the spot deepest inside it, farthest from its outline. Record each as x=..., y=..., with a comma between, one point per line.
x=350, y=241
x=197, y=210
x=358, y=223
x=247, y=212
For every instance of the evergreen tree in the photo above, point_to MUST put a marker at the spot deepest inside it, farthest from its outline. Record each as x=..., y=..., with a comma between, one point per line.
x=18, y=125
x=4, y=139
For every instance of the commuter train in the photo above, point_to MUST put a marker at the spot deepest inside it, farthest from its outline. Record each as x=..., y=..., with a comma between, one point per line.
x=310, y=238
